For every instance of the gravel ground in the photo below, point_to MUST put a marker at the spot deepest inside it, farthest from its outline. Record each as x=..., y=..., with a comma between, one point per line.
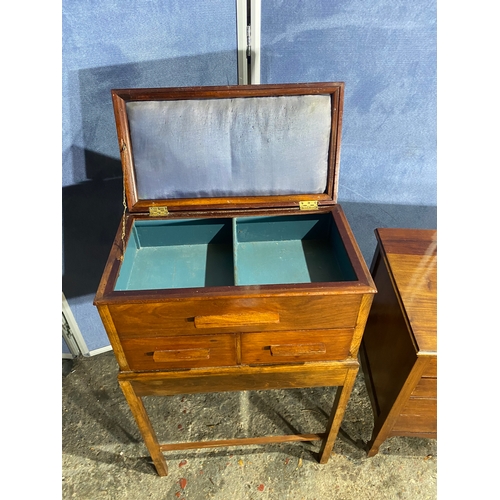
x=104, y=456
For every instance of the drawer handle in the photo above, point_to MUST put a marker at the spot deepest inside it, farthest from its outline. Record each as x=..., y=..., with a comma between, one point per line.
x=241, y=319
x=180, y=354
x=297, y=349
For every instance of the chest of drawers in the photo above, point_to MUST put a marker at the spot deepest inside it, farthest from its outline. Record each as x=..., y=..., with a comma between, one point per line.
x=232, y=270
x=399, y=348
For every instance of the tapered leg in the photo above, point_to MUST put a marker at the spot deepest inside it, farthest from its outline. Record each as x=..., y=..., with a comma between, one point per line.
x=144, y=424
x=373, y=446
x=338, y=410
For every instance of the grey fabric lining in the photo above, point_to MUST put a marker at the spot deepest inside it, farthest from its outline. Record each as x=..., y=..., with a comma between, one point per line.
x=257, y=146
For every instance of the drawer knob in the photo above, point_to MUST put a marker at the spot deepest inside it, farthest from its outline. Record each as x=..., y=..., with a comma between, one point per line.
x=180, y=354
x=239, y=319
x=297, y=349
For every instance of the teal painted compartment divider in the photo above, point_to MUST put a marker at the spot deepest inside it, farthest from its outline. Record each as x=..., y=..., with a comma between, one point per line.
x=241, y=251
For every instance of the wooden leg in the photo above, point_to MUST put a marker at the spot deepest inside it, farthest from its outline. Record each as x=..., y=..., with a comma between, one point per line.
x=338, y=410
x=381, y=430
x=386, y=420
x=373, y=446
x=144, y=424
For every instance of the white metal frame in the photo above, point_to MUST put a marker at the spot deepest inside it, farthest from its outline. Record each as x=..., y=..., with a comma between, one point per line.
x=67, y=336
x=241, y=28
x=255, y=16
x=75, y=342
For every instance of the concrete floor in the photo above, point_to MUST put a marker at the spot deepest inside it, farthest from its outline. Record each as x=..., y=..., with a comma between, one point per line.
x=104, y=456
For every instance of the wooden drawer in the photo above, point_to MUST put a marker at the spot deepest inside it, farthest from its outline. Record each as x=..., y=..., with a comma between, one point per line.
x=191, y=317
x=431, y=369
x=418, y=415
x=296, y=346
x=162, y=353
x=426, y=388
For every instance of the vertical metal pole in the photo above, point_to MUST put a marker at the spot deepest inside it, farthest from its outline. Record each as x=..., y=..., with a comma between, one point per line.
x=241, y=29
x=255, y=17
x=248, y=14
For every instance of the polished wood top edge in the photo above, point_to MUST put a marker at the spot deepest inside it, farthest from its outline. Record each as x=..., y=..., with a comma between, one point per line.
x=407, y=241
x=231, y=292
x=228, y=91
x=402, y=232
x=399, y=248
x=230, y=211
x=195, y=205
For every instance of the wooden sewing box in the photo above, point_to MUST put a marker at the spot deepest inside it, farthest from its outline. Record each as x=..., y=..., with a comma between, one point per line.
x=233, y=268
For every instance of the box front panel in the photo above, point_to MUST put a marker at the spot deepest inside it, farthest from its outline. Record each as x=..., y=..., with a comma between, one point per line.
x=208, y=315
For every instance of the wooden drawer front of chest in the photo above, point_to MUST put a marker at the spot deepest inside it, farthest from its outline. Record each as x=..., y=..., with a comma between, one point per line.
x=180, y=352
x=426, y=388
x=418, y=415
x=431, y=369
x=296, y=346
x=191, y=317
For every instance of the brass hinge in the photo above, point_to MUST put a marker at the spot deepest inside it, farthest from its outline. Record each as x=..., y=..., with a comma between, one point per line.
x=158, y=211
x=308, y=205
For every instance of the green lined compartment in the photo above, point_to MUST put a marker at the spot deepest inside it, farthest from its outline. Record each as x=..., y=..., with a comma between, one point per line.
x=242, y=251
x=177, y=254
x=289, y=249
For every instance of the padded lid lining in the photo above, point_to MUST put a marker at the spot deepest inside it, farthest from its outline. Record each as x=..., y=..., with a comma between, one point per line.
x=251, y=146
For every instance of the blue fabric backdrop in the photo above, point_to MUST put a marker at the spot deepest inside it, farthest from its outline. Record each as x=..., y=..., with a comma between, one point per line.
x=118, y=44
x=384, y=50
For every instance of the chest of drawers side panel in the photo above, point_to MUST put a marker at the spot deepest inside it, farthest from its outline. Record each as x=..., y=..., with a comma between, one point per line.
x=388, y=352
x=398, y=353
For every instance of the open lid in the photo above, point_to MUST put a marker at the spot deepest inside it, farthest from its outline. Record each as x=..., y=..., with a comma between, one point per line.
x=245, y=146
